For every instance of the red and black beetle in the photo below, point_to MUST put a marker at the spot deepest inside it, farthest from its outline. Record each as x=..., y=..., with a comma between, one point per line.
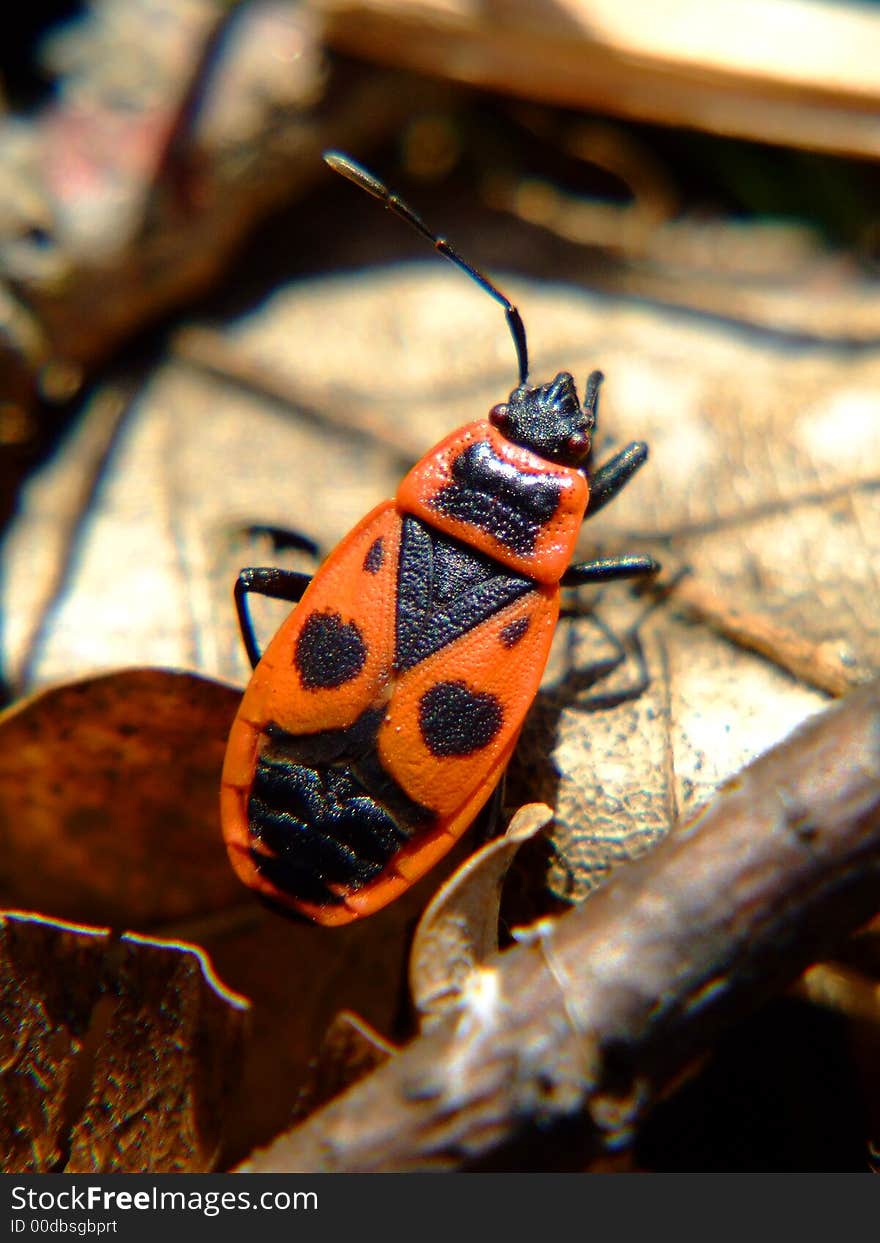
x=382, y=715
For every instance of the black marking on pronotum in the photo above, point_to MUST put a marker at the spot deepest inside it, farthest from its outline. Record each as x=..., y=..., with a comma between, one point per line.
x=514, y=631
x=444, y=590
x=457, y=721
x=323, y=812
x=492, y=494
x=375, y=556
x=328, y=651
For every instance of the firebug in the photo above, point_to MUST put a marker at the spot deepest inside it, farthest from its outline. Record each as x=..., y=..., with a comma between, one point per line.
x=381, y=717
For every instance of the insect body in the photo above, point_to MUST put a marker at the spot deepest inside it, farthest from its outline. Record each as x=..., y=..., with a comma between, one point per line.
x=382, y=715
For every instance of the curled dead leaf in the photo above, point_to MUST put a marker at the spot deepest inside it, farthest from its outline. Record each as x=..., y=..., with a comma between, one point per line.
x=166, y=1062
x=459, y=928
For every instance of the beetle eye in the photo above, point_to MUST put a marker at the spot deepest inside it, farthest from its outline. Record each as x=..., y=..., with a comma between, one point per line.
x=499, y=416
x=578, y=443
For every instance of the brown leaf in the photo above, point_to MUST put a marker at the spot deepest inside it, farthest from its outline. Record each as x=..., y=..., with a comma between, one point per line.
x=108, y=799
x=165, y=1064
x=350, y=1049
x=123, y=1053
x=50, y=977
x=459, y=928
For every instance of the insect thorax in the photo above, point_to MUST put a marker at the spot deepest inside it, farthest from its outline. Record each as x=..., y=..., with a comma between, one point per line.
x=501, y=498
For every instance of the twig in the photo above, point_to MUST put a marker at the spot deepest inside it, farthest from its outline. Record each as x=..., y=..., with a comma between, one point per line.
x=825, y=666
x=588, y=1018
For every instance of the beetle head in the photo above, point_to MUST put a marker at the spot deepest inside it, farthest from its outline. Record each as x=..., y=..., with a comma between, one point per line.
x=549, y=418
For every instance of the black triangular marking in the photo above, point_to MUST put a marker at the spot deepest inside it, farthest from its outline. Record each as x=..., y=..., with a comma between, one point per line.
x=444, y=589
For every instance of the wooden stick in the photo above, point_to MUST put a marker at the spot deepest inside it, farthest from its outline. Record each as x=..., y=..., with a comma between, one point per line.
x=587, y=1019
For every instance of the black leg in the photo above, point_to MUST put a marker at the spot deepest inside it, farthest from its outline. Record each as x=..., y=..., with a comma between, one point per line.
x=607, y=569
x=630, y=645
x=607, y=481
x=264, y=581
x=579, y=682
x=283, y=538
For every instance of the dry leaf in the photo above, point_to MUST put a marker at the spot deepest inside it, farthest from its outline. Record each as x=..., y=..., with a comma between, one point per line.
x=166, y=1063
x=51, y=978
x=459, y=928
x=350, y=1049
x=122, y=1054
x=108, y=799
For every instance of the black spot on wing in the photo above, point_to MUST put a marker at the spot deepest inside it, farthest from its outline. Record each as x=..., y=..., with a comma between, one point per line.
x=457, y=721
x=375, y=556
x=514, y=631
x=510, y=504
x=328, y=651
x=445, y=589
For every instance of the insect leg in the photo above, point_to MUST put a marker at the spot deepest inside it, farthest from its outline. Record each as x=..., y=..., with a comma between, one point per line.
x=625, y=649
x=264, y=581
x=607, y=481
x=282, y=538
x=630, y=645
x=607, y=569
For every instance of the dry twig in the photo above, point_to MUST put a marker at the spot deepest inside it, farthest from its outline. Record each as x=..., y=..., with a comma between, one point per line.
x=591, y=1015
x=826, y=666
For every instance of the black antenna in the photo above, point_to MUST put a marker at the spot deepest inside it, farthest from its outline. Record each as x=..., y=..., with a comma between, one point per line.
x=361, y=177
